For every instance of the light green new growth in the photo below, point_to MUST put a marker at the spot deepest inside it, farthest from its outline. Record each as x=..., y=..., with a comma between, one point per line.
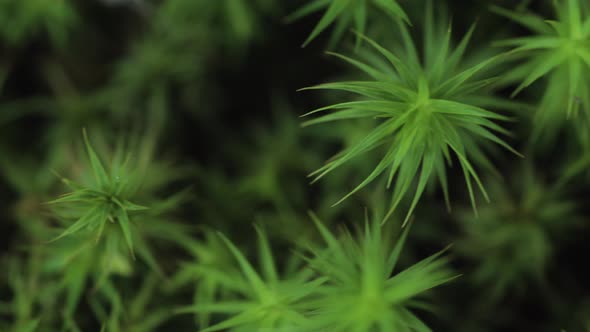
x=559, y=51
x=427, y=109
x=363, y=293
x=105, y=199
x=344, y=13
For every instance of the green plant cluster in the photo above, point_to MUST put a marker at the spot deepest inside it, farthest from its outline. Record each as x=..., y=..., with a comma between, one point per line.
x=199, y=165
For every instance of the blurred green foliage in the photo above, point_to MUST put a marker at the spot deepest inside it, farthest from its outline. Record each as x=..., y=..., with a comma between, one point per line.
x=140, y=141
x=516, y=234
x=22, y=20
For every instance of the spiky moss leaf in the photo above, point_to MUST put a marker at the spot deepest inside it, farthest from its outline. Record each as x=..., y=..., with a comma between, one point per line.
x=261, y=300
x=363, y=291
x=345, y=13
x=517, y=233
x=558, y=51
x=426, y=111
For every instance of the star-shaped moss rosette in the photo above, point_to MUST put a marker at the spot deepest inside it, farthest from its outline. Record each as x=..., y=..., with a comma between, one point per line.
x=21, y=20
x=262, y=299
x=558, y=51
x=513, y=240
x=106, y=196
x=363, y=290
x=344, y=14
x=103, y=225
x=427, y=110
